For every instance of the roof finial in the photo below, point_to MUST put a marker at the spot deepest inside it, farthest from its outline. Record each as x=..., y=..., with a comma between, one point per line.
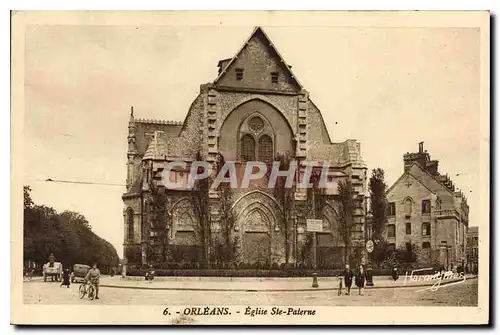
x=131, y=118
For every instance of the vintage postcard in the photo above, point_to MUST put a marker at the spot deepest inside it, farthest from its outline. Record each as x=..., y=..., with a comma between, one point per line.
x=218, y=168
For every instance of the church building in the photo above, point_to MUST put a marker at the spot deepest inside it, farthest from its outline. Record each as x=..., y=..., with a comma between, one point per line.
x=254, y=110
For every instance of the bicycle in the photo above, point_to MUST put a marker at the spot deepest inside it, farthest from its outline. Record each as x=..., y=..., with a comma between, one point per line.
x=87, y=289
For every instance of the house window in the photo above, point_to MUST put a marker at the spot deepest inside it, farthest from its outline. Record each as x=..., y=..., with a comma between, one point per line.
x=408, y=228
x=408, y=246
x=426, y=229
x=247, y=148
x=265, y=148
x=130, y=224
x=408, y=207
x=274, y=77
x=426, y=206
x=426, y=245
x=391, y=210
x=391, y=230
x=239, y=74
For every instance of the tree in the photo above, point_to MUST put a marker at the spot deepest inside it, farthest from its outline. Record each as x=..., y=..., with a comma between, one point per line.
x=407, y=253
x=158, y=216
x=316, y=199
x=201, y=207
x=68, y=235
x=346, y=205
x=285, y=196
x=28, y=202
x=225, y=245
x=378, y=200
x=382, y=251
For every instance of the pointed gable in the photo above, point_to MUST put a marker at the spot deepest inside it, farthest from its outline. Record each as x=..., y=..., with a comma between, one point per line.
x=401, y=188
x=257, y=65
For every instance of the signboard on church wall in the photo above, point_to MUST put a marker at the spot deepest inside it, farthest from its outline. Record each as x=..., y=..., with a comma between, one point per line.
x=314, y=225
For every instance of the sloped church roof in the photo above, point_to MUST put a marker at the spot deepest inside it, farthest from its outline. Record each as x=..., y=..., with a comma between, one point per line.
x=258, y=32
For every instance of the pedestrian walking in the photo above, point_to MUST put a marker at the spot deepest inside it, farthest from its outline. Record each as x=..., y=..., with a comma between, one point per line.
x=348, y=279
x=360, y=279
x=395, y=273
x=65, y=277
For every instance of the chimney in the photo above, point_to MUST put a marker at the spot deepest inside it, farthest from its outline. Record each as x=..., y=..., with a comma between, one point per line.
x=432, y=167
x=421, y=158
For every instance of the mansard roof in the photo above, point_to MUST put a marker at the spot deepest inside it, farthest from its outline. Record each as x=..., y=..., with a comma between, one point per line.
x=258, y=32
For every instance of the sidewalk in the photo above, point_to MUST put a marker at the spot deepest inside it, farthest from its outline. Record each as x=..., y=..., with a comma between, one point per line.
x=253, y=284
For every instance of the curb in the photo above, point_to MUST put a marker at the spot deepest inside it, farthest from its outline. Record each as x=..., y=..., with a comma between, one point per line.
x=269, y=290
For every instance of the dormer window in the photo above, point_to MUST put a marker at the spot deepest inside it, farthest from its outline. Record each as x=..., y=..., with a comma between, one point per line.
x=274, y=77
x=239, y=74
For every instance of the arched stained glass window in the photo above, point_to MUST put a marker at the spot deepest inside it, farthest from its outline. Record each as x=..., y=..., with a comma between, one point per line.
x=265, y=148
x=247, y=148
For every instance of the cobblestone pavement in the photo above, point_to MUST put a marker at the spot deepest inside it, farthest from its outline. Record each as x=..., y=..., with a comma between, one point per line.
x=461, y=294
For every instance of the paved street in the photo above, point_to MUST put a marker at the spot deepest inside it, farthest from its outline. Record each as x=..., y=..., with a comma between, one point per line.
x=461, y=294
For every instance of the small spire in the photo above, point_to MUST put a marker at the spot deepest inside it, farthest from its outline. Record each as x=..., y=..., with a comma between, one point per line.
x=131, y=119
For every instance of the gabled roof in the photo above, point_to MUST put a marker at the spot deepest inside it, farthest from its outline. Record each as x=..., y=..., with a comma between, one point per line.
x=407, y=173
x=256, y=31
x=429, y=187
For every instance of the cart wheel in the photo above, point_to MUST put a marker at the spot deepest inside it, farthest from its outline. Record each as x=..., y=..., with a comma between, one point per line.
x=81, y=291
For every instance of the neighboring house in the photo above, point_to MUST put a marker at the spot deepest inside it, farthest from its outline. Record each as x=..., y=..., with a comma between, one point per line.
x=425, y=210
x=473, y=249
x=254, y=110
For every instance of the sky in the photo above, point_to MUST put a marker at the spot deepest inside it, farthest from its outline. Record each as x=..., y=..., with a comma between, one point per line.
x=388, y=88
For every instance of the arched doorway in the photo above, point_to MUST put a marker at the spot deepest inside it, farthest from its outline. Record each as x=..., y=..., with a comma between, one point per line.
x=329, y=252
x=184, y=245
x=256, y=243
x=261, y=239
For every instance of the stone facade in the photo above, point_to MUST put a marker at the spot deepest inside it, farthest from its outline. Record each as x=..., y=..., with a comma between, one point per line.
x=254, y=110
x=425, y=210
x=473, y=249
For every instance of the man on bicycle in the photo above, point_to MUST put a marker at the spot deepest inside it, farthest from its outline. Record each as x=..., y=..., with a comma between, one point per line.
x=93, y=276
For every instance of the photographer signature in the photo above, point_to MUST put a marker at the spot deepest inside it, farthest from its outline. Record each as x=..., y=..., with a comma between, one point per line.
x=438, y=277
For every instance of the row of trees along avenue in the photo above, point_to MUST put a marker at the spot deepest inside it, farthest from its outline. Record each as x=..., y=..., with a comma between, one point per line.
x=68, y=235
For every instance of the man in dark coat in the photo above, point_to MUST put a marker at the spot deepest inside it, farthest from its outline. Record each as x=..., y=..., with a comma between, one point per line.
x=395, y=274
x=348, y=279
x=360, y=279
x=65, y=277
